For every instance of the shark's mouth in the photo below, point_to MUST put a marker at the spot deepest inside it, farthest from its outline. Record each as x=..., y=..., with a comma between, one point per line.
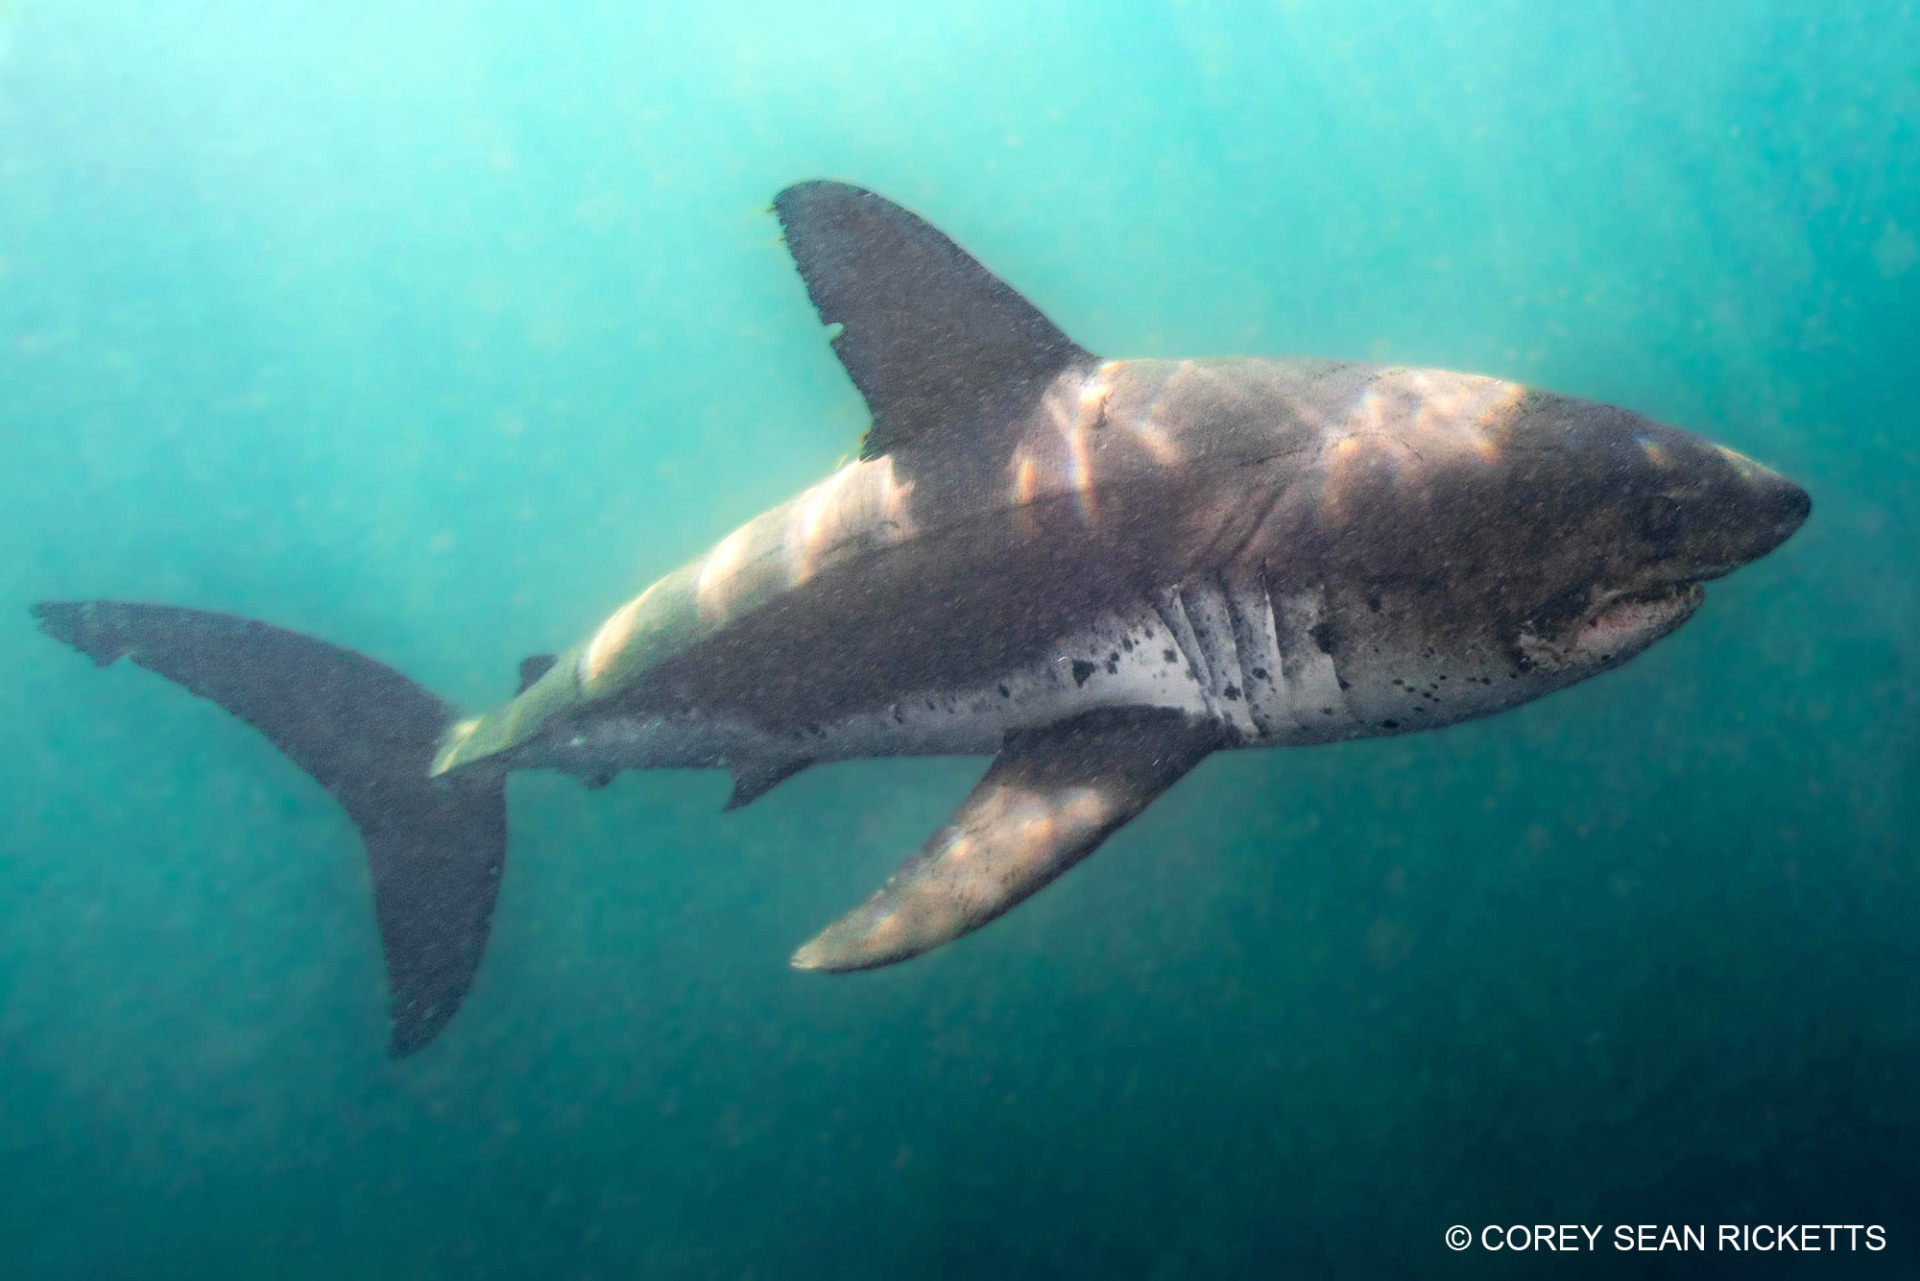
x=1618, y=626
x=1629, y=621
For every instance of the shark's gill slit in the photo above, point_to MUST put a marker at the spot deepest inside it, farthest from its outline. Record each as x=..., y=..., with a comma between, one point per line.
x=1171, y=606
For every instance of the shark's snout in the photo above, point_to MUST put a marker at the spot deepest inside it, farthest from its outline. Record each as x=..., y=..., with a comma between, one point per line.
x=1737, y=512
x=1791, y=505
x=1772, y=509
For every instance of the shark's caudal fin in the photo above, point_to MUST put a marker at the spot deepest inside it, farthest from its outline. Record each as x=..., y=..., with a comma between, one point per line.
x=367, y=734
x=1050, y=798
x=936, y=343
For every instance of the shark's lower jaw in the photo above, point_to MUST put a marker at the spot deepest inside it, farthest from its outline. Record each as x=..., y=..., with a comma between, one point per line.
x=1630, y=621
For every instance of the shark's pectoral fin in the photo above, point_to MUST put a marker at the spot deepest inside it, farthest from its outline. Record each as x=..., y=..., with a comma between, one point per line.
x=1050, y=798
x=935, y=342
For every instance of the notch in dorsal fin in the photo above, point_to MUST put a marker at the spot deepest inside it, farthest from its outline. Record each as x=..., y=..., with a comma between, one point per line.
x=532, y=668
x=933, y=340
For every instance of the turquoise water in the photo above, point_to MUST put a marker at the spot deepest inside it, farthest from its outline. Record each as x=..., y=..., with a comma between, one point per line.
x=436, y=329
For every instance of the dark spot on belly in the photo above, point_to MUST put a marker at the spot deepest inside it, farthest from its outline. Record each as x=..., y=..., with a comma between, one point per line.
x=1326, y=711
x=1231, y=693
x=1113, y=656
x=1260, y=674
x=1343, y=682
x=1389, y=724
x=1170, y=656
x=816, y=731
x=1324, y=636
x=930, y=706
x=1113, y=665
x=1126, y=643
x=1005, y=692
x=1082, y=669
x=1373, y=603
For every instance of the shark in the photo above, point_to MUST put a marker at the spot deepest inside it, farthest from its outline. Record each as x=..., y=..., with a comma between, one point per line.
x=1098, y=572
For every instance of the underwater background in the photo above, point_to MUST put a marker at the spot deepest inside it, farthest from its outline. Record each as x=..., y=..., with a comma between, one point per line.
x=435, y=329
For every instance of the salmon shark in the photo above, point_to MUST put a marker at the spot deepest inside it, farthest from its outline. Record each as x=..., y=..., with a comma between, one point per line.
x=1098, y=572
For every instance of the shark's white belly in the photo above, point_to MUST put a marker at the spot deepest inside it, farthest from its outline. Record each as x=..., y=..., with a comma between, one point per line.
x=1220, y=650
x=1225, y=649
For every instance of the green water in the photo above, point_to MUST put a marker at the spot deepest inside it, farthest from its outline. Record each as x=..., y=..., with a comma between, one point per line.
x=436, y=329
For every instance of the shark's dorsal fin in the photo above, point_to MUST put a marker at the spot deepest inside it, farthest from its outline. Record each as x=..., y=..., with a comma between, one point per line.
x=932, y=339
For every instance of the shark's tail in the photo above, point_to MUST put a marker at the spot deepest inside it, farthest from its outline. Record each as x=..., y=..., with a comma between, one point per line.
x=367, y=734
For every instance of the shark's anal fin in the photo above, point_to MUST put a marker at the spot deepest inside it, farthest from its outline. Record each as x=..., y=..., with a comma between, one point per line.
x=935, y=342
x=1050, y=798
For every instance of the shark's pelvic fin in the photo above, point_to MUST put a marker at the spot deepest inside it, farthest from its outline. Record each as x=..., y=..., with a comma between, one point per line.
x=933, y=340
x=1050, y=798
x=366, y=734
x=752, y=781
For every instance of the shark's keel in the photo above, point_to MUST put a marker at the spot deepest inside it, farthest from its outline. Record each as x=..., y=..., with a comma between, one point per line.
x=1049, y=799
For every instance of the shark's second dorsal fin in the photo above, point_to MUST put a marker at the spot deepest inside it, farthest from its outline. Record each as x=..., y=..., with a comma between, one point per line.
x=532, y=668
x=932, y=339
